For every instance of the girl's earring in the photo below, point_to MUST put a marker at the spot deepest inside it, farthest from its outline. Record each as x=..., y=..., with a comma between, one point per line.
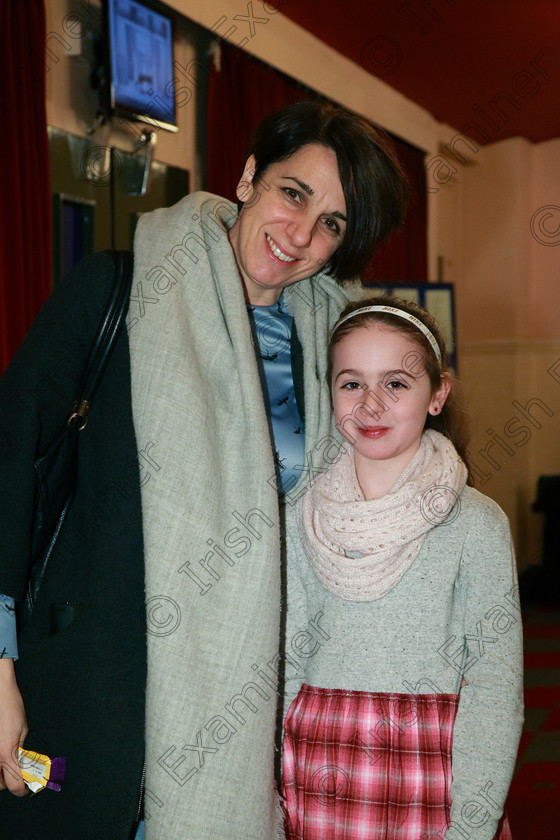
x=435, y=409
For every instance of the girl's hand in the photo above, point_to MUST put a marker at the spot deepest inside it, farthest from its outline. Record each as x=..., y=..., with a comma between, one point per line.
x=13, y=730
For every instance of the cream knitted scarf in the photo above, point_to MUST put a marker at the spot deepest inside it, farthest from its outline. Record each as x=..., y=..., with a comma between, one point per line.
x=361, y=549
x=210, y=520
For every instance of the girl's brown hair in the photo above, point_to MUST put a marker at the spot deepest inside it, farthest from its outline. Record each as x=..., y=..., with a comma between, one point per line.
x=452, y=421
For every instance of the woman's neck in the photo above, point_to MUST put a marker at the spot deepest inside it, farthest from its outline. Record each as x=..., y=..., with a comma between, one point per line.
x=255, y=294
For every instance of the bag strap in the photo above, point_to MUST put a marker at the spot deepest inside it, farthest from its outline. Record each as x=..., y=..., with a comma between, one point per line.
x=106, y=335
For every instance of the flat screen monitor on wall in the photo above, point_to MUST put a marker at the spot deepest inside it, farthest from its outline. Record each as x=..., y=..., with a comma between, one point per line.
x=140, y=53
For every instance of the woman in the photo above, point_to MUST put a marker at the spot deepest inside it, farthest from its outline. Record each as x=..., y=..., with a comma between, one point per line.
x=177, y=477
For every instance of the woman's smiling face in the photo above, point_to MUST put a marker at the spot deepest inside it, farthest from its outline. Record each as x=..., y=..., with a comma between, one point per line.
x=292, y=222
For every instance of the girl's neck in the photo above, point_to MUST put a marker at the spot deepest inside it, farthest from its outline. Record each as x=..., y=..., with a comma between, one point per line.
x=376, y=478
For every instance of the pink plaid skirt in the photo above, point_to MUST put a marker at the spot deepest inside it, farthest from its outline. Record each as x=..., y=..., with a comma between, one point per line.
x=360, y=765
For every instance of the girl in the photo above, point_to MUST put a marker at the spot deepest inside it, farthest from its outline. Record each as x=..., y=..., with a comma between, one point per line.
x=403, y=641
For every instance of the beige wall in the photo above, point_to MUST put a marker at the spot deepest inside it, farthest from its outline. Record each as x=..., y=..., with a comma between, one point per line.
x=482, y=203
x=509, y=323
x=543, y=206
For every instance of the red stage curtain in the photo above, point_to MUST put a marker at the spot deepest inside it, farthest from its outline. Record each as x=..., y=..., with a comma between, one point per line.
x=403, y=257
x=25, y=202
x=240, y=94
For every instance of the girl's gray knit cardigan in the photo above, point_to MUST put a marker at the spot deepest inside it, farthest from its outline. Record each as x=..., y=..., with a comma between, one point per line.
x=453, y=618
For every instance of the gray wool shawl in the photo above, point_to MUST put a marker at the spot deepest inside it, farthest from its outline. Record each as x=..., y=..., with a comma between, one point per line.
x=211, y=520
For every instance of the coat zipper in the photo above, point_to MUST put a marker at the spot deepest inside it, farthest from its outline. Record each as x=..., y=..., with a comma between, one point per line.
x=141, y=797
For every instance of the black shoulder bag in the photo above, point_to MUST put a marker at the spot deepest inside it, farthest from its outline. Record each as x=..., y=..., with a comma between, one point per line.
x=56, y=469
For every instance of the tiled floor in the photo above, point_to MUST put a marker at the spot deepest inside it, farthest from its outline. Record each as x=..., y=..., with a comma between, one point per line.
x=534, y=800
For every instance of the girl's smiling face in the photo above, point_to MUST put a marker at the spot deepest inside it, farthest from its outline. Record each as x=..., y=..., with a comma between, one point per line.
x=293, y=221
x=381, y=396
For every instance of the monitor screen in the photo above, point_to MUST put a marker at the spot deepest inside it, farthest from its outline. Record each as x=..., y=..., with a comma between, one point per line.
x=141, y=63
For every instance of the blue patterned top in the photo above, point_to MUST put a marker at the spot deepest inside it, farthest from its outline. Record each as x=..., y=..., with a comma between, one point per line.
x=8, y=637
x=272, y=333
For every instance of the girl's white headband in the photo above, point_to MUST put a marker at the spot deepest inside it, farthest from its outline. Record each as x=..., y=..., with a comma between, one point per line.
x=400, y=313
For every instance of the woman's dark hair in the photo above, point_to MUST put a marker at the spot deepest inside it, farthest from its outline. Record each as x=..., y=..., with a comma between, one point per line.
x=453, y=419
x=375, y=187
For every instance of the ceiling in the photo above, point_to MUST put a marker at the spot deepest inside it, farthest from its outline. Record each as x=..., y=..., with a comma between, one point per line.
x=488, y=67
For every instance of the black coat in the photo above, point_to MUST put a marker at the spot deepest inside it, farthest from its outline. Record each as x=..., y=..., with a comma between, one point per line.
x=83, y=687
